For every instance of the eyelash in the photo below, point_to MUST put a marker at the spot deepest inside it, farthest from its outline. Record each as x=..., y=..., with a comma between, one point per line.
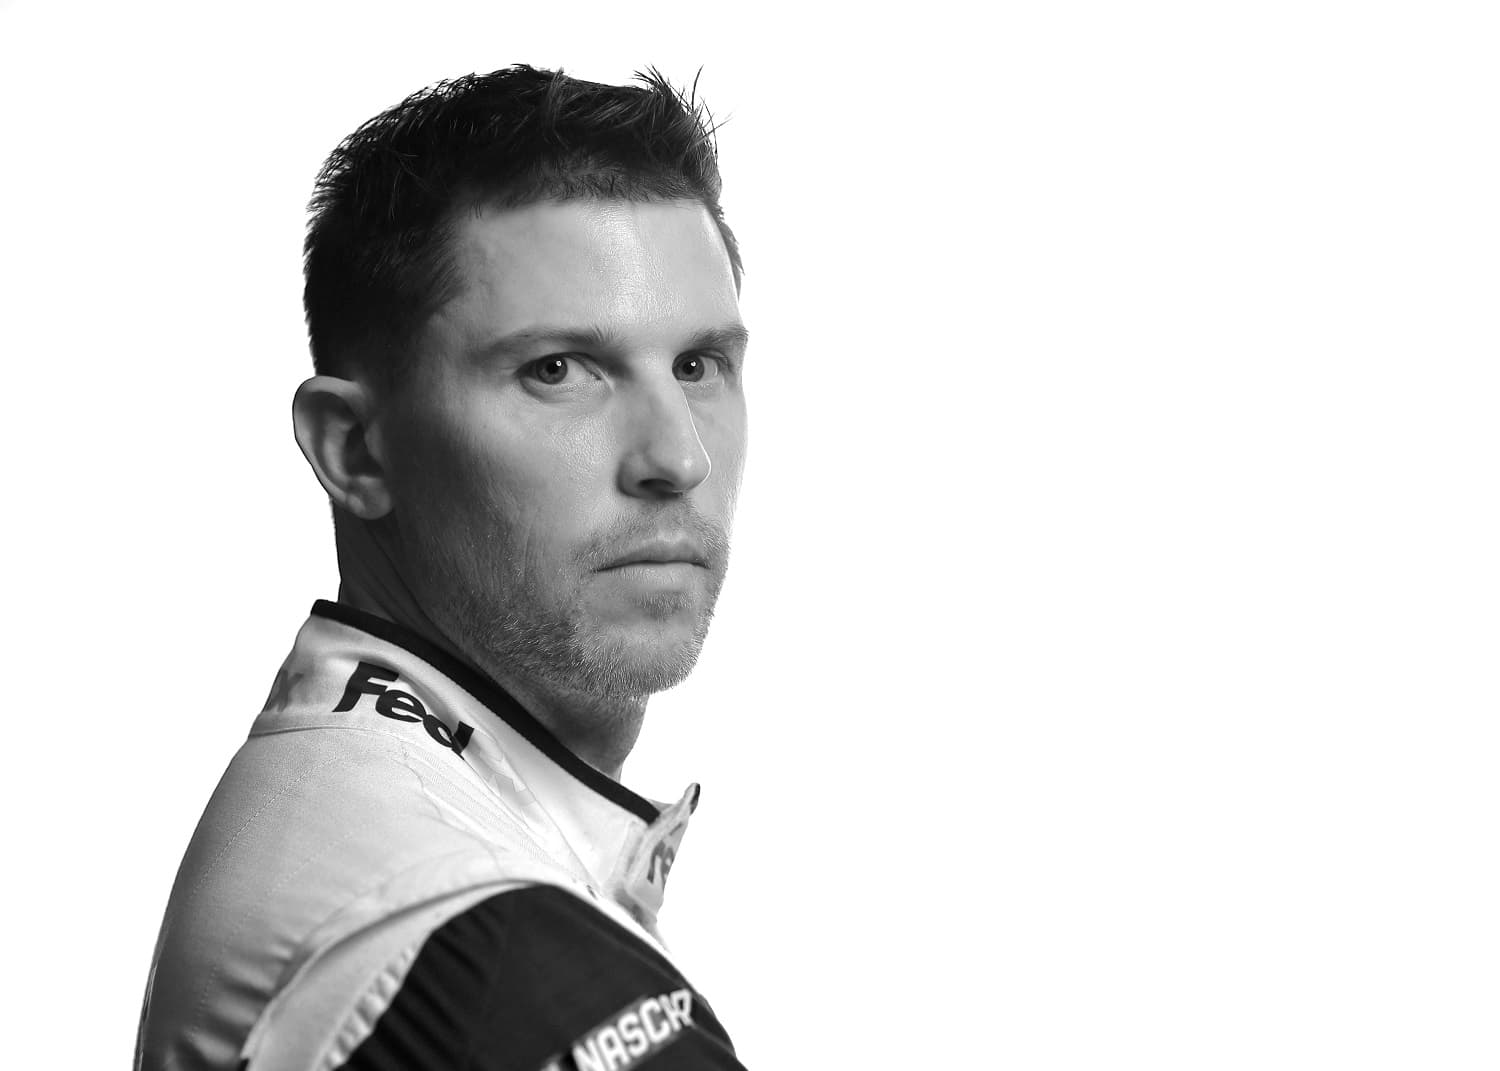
x=726, y=366
x=532, y=369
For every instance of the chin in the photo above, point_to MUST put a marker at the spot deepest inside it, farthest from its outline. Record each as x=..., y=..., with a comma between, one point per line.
x=609, y=649
x=638, y=665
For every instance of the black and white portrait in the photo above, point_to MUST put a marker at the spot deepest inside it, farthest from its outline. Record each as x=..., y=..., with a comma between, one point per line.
x=997, y=504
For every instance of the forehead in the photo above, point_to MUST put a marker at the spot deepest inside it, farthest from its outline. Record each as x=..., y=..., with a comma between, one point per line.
x=624, y=265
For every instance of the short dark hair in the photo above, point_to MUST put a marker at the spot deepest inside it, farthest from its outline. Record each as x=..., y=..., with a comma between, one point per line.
x=377, y=256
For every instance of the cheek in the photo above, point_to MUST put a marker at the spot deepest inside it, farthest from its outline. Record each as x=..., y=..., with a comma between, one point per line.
x=455, y=473
x=580, y=455
x=724, y=433
x=535, y=488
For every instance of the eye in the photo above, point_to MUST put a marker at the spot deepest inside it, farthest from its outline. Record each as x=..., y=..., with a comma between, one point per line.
x=695, y=367
x=552, y=370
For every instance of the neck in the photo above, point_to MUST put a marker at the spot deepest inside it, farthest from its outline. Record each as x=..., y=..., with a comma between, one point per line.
x=600, y=730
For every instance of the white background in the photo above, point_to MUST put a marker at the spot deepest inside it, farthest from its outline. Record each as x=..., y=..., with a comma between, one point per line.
x=1107, y=674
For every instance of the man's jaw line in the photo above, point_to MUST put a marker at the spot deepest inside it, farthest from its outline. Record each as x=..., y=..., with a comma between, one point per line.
x=598, y=720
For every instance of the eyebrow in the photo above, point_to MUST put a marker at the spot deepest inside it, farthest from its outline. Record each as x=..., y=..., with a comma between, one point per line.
x=726, y=336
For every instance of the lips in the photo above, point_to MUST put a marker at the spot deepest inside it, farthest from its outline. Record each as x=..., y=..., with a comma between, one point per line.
x=662, y=550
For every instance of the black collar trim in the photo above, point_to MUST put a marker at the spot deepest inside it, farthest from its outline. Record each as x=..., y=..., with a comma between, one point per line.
x=495, y=698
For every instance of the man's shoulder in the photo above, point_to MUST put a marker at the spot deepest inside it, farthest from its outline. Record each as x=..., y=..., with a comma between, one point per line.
x=312, y=797
x=534, y=977
x=302, y=822
x=317, y=840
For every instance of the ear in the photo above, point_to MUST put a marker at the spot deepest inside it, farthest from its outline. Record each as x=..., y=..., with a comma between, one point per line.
x=332, y=419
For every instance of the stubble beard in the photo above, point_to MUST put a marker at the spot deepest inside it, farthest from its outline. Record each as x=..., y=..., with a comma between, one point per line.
x=502, y=612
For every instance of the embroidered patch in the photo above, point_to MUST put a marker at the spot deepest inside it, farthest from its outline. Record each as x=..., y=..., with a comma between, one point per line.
x=629, y=1036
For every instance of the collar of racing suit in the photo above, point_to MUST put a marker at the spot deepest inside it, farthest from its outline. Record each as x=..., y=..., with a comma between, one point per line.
x=349, y=668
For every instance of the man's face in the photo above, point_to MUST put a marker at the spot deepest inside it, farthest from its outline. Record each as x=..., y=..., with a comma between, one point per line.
x=566, y=452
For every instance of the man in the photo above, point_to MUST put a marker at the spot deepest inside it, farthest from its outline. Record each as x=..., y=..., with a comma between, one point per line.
x=522, y=300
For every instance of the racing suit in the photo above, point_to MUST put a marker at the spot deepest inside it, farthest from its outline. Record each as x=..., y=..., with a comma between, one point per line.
x=401, y=868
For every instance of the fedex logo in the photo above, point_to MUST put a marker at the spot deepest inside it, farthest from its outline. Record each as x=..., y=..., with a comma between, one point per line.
x=371, y=679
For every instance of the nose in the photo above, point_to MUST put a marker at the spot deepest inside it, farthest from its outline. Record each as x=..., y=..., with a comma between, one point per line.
x=663, y=454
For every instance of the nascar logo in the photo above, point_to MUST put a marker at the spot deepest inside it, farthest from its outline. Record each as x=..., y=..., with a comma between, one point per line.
x=624, y=1040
